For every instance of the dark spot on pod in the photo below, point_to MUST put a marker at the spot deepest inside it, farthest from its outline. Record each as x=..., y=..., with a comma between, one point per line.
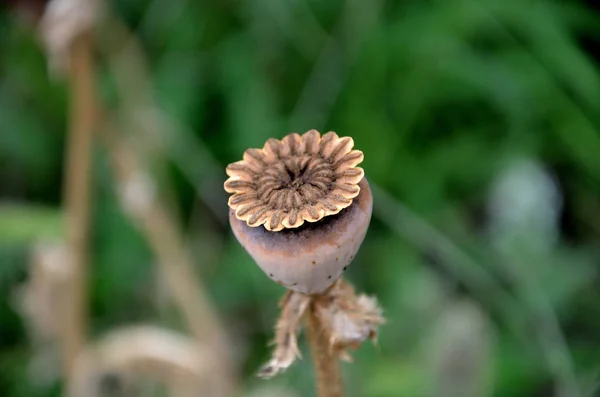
x=270, y=274
x=345, y=267
x=329, y=277
x=295, y=284
x=314, y=262
x=337, y=258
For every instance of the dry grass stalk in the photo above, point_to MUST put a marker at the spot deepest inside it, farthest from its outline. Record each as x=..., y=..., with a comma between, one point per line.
x=77, y=194
x=132, y=352
x=65, y=30
x=148, y=212
x=140, y=200
x=154, y=215
x=147, y=125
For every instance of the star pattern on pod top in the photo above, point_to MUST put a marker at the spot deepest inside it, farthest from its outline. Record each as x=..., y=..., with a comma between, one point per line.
x=296, y=179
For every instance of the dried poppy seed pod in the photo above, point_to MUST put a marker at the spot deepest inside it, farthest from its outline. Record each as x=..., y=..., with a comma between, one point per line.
x=301, y=208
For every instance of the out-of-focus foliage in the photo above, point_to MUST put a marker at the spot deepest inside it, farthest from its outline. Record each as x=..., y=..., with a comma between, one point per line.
x=480, y=128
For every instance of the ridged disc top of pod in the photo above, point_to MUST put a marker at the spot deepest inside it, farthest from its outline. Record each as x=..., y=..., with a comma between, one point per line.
x=300, y=178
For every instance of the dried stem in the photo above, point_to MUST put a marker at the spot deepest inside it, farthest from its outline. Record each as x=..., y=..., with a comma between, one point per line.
x=152, y=214
x=77, y=195
x=326, y=362
x=159, y=226
x=135, y=351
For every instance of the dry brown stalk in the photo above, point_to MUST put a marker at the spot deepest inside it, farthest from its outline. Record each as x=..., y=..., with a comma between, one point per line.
x=327, y=364
x=77, y=189
x=153, y=215
x=156, y=222
x=134, y=351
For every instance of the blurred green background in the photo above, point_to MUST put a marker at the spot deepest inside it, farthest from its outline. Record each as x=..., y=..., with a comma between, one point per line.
x=479, y=120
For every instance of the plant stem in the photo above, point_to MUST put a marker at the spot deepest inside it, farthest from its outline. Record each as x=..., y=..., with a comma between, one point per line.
x=77, y=195
x=327, y=365
x=157, y=219
x=158, y=224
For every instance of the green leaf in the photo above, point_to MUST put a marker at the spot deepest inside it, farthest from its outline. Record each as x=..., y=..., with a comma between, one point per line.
x=21, y=223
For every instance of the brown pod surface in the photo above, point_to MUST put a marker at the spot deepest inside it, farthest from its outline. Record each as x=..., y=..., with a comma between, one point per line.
x=311, y=258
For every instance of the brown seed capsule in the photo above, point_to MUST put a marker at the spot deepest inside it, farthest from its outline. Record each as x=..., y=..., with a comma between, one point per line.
x=313, y=201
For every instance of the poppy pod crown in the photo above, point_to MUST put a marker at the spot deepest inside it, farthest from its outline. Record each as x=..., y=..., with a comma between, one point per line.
x=300, y=178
